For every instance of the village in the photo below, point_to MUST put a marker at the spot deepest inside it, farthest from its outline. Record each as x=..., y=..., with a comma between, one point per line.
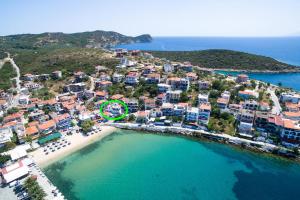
x=50, y=107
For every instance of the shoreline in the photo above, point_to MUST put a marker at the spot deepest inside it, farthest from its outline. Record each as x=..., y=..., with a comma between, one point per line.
x=250, y=71
x=253, y=146
x=78, y=141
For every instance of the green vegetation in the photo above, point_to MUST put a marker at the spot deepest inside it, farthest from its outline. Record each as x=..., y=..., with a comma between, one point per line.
x=68, y=60
x=34, y=189
x=12, y=110
x=43, y=94
x=87, y=125
x=222, y=123
x=6, y=73
x=7, y=146
x=53, y=40
x=225, y=59
x=4, y=159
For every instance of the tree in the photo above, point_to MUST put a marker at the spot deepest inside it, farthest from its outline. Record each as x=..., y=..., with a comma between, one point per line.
x=12, y=110
x=4, y=159
x=87, y=125
x=131, y=118
x=184, y=97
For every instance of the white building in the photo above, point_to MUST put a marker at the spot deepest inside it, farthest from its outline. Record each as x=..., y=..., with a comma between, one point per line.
x=117, y=78
x=290, y=97
x=14, y=172
x=202, y=98
x=168, y=67
x=162, y=87
x=5, y=135
x=192, y=114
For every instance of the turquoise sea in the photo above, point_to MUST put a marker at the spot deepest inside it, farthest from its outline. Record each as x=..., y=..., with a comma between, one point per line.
x=135, y=166
x=285, y=49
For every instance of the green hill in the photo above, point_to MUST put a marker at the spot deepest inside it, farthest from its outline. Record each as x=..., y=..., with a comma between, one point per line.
x=84, y=39
x=226, y=59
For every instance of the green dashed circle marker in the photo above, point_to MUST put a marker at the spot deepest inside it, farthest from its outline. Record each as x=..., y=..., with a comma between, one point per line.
x=106, y=103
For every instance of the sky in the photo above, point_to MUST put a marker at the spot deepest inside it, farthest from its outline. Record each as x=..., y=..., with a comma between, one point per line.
x=228, y=18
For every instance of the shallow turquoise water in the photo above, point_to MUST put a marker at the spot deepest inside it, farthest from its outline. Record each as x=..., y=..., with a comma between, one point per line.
x=131, y=165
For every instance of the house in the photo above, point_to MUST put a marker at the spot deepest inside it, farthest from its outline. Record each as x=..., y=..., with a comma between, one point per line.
x=250, y=105
x=149, y=104
x=245, y=128
x=225, y=95
x=14, y=172
x=246, y=116
x=117, y=78
x=85, y=95
x=117, y=97
x=120, y=53
x=103, y=84
x=56, y=74
x=135, y=52
x=47, y=127
x=23, y=99
x=241, y=78
x=168, y=68
x=292, y=107
x=180, y=109
x=204, y=85
x=132, y=78
x=13, y=117
x=3, y=104
x=204, y=113
x=153, y=78
x=32, y=131
x=5, y=135
x=101, y=95
x=63, y=121
x=162, y=87
x=191, y=76
x=292, y=115
x=29, y=77
x=167, y=109
x=290, y=132
x=222, y=103
x=179, y=83
x=160, y=99
x=75, y=87
x=44, y=77
x=264, y=106
x=149, y=69
x=289, y=97
x=104, y=77
x=143, y=116
x=133, y=105
x=202, y=98
x=247, y=94
x=79, y=76
x=192, y=114
x=36, y=115
x=187, y=66
x=173, y=96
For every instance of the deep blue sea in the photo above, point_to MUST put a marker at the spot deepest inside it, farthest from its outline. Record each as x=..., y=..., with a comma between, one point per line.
x=284, y=49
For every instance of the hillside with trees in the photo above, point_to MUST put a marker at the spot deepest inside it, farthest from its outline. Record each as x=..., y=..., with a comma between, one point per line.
x=226, y=59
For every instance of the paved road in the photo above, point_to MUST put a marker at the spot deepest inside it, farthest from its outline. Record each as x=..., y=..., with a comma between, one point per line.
x=276, y=108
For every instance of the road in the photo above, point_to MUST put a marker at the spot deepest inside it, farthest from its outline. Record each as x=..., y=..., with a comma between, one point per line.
x=17, y=69
x=276, y=108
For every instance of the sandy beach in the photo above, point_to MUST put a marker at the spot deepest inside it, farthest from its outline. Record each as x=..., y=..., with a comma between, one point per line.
x=78, y=141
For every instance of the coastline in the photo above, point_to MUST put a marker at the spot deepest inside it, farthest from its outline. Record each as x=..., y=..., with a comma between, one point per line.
x=254, y=146
x=250, y=71
x=78, y=141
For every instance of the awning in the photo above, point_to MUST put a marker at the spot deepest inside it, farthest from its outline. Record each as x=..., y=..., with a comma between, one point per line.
x=49, y=138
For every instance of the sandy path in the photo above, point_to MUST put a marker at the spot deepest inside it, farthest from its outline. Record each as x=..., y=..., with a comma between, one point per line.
x=77, y=140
